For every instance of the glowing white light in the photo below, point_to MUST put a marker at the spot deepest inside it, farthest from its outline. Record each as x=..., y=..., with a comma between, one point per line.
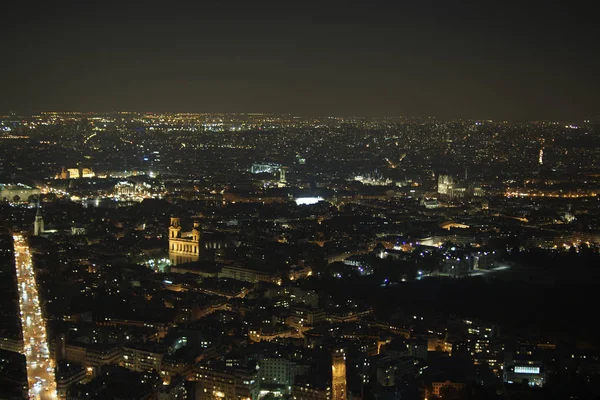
x=304, y=201
x=527, y=370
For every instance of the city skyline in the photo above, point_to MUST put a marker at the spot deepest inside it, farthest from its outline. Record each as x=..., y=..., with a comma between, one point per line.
x=277, y=115
x=299, y=200
x=260, y=256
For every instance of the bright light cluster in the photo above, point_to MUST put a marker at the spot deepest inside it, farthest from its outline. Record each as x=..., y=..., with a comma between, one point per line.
x=40, y=366
x=305, y=201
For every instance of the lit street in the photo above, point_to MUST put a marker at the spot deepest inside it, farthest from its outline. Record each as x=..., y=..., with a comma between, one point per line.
x=40, y=366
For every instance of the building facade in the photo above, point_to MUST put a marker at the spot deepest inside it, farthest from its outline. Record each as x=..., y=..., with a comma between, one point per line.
x=141, y=359
x=276, y=374
x=338, y=374
x=234, y=384
x=184, y=247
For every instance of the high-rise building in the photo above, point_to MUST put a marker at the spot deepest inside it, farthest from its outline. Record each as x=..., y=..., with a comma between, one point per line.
x=338, y=374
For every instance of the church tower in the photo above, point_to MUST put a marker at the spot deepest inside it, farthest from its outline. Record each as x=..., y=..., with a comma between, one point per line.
x=184, y=247
x=38, y=225
x=196, y=232
x=175, y=228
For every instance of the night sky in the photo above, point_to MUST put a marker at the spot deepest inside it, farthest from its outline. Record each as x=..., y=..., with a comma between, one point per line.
x=448, y=59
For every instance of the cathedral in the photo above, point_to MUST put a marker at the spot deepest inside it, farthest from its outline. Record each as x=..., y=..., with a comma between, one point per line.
x=184, y=247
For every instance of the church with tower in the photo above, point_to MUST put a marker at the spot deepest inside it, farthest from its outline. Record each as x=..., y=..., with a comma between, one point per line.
x=38, y=224
x=184, y=247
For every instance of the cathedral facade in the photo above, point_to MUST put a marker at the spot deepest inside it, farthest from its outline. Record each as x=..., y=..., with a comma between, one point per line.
x=184, y=247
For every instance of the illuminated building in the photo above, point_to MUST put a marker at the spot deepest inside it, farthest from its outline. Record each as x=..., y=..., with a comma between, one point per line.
x=298, y=272
x=437, y=388
x=87, y=173
x=437, y=344
x=73, y=173
x=430, y=203
x=445, y=184
x=485, y=205
x=172, y=368
x=532, y=373
x=525, y=365
x=258, y=168
x=173, y=391
x=456, y=189
x=282, y=180
x=451, y=224
x=568, y=216
x=276, y=374
x=63, y=174
x=246, y=274
x=301, y=316
x=184, y=247
x=309, y=392
x=294, y=295
x=125, y=188
x=338, y=374
x=11, y=344
x=38, y=225
x=78, y=230
x=86, y=355
x=17, y=192
x=217, y=384
x=482, y=345
x=374, y=179
x=142, y=358
x=269, y=333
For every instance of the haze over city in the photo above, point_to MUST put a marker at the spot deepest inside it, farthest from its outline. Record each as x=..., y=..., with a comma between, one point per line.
x=508, y=61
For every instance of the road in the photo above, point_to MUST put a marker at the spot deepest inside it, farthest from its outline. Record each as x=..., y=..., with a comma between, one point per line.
x=40, y=366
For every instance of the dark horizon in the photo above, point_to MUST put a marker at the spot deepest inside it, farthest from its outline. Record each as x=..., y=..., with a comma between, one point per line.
x=515, y=62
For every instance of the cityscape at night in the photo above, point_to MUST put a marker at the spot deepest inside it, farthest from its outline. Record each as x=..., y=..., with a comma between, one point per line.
x=411, y=216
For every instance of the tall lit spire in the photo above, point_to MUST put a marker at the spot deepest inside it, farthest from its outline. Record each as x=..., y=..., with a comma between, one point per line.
x=38, y=225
